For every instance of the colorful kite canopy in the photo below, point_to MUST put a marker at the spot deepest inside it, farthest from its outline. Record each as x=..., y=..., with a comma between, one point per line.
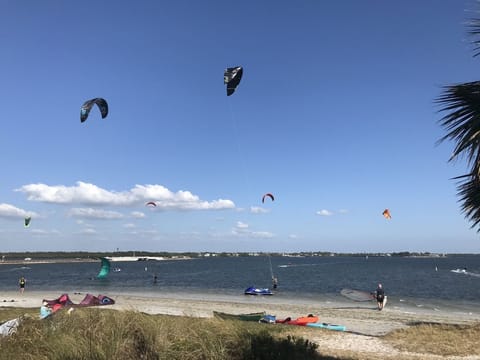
x=231, y=78
x=386, y=214
x=87, y=106
x=27, y=221
x=267, y=195
x=105, y=268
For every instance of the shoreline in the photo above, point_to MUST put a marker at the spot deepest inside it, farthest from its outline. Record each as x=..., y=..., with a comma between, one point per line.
x=359, y=318
x=365, y=325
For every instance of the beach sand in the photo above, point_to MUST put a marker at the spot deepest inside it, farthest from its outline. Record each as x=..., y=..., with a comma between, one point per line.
x=364, y=323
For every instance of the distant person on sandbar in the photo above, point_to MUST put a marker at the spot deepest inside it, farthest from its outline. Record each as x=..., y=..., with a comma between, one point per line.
x=21, y=282
x=155, y=278
x=380, y=296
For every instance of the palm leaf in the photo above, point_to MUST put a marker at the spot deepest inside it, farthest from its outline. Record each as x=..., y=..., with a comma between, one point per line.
x=462, y=121
x=469, y=193
x=474, y=31
x=461, y=103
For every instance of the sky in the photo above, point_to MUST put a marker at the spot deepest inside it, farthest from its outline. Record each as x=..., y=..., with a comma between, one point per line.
x=335, y=115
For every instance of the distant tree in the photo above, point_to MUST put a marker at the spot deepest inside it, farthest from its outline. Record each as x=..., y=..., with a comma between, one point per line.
x=461, y=102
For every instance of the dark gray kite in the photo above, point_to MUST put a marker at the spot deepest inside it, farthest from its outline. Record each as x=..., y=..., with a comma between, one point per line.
x=87, y=106
x=231, y=78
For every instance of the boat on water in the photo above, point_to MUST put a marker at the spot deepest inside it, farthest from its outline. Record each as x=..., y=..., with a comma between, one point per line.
x=252, y=290
x=459, y=271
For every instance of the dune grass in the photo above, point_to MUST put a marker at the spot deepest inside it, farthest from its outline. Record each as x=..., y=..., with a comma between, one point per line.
x=437, y=339
x=101, y=334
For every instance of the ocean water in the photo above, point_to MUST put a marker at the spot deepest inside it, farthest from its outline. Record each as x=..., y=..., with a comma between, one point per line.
x=408, y=282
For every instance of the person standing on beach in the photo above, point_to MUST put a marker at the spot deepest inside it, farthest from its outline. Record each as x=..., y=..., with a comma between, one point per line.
x=21, y=282
x=380, y=296
x=274, y=282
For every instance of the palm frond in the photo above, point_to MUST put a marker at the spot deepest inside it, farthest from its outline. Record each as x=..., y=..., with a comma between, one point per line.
x=462, y=121
x=461, y=103
x=474, y=31
x=469, y=193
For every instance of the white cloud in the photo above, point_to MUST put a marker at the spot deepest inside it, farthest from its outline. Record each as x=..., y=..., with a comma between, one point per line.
x=242, y=229
x=10, y=211
x=241, y=225
x=324, y=213
x=293, y=236
x=137, y=214
x=88, y=231
x=90, y=194
x=45, y=232
x=89, y=213
x=258, y=210
x=129, y=226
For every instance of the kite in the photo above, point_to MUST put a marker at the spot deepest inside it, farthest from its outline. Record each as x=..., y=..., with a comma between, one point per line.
x=87, y=106
x=105, y=269
x=269, y=195
x=150, y=203
x=231, y=78
x=27, y=221
x=386, y=214
x=64, y=301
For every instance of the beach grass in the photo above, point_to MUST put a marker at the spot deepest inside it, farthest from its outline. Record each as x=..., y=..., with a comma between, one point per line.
x=93, y=333
x=101, y=333
x=437, y=339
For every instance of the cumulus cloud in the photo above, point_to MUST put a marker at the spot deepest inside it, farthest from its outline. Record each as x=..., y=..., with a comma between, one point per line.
x=10, y=211
x=137, y=214
x=242, y=229
x=324, y=212
x=90, y=194
x=293, y=236
x=89, y=213
x=241, y=225
x=129, y=226
x=88, y=231
x=258, y=210
x=41, y=232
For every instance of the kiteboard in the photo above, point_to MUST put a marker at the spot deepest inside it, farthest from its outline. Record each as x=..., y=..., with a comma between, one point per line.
x=358, y=295
x=327, y=326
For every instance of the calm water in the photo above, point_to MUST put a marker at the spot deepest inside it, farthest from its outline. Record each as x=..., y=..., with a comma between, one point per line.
x=407, y=281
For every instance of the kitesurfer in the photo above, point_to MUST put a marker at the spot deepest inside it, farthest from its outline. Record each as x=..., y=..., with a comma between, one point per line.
x=274, y=282
x=380, y=296
x=21, y=282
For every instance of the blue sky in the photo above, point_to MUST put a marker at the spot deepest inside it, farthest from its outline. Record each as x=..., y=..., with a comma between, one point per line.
x=335, y=116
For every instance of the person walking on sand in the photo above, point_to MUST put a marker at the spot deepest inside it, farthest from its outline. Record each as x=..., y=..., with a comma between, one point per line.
x=380, y=296
x=21, y=282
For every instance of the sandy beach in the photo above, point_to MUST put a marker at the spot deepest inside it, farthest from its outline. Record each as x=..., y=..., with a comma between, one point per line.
x=364, y=323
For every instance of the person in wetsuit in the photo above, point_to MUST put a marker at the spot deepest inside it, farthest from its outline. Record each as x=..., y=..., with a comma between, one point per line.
x=380, y=296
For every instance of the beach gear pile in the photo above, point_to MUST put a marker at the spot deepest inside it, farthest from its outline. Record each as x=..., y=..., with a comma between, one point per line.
x=262, y=317
x=64, y=301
